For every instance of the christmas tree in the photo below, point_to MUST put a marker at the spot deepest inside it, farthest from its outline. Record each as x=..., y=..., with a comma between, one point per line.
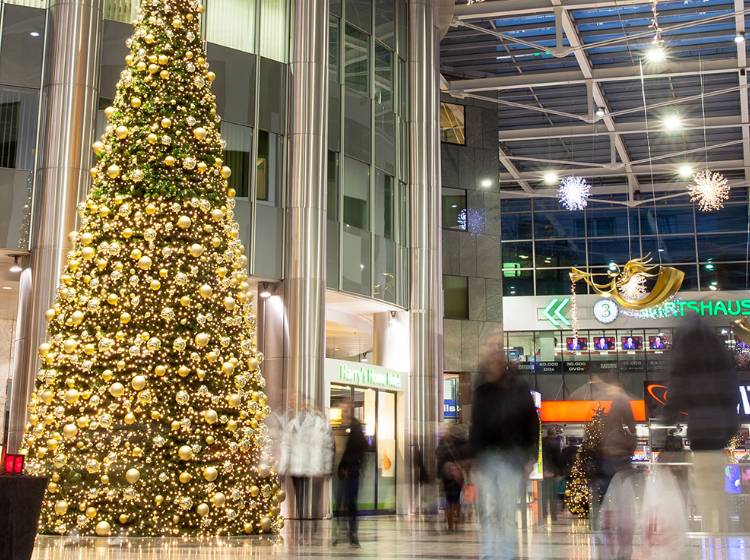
x=148, y=409
x=578, y=491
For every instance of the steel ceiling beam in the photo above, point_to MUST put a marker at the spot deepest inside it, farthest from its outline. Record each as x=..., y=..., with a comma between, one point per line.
x=513, y=170
x=504, y=8
x=672, y=69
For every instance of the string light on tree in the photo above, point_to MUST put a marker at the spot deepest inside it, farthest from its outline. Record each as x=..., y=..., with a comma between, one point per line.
x=578, y=495
x=574, y=192
x=148, y=411
x=709, y=190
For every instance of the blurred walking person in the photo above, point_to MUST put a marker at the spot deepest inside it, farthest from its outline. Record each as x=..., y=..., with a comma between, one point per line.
x=349, y=470
x=703, y=386
x=451, y=473
x=504, y=440
x=552, y=471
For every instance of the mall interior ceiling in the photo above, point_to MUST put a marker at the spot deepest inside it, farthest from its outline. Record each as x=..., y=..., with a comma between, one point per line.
x=633, y=95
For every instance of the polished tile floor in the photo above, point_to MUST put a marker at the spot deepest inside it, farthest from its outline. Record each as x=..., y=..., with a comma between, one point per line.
x=383, y=537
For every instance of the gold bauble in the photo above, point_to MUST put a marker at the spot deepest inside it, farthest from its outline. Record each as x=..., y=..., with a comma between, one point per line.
x=196, y=250
x=183, y=371
x=202, y=339
x=152, y=138
x=166, y=122
x=83, y=421
x=254, y=491
x=138, y=382
x=132, y=475
x=135, y=102
x=202, y=509
x=77, y=317
x=200, y=133
x=98, y=148
x=212, y=356
x=153, y=68
x=155, y=285
x=265, y=523
x=113, y=299
x=218, y=499
x=163, y=59
x=231, y=193
x=210, y=416
x=44, y=348
x=202, y=167
x=183, y=222
x=70, y=345
x=109, y=111
x=151, y=209
x=53, y=488
x=129, y=59
x=280, y=495
x=226, y=172
x=247, y=527
x=129, y=418
x=234, y=400
x=264, y=471
x=103, y=529
x=144, y=263
x=185, y=477
x=86, y=238
x=185, y=301
x=232, y=425
x=113, y=171
x=70, y=431
x=159, y=499
x=137, y=175
x=125, y=317
x=185, y=453
x=127, y=233
x=49, y=314
x=170, y=161
x=124, y=518
x=104, y=478
x=140, y=66
x=149, y=38
x=229, y=303
x=88, y=253
x=121, y=132
x=107, y=375
x=116, y=389
x=160, y=370
x=227, y=368
x=61, y=507
x=211, y=76
x=205, y=291
x=210, y=440
x=210, y=473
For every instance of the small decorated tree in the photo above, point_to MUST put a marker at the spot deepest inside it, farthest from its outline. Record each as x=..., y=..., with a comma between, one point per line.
x=148, y=412
x=578, y=493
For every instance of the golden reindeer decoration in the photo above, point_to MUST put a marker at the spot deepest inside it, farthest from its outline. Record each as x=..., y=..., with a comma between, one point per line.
x=626, y=287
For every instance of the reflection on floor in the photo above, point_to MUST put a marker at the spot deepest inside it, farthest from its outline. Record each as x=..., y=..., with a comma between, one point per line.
x=383, y=537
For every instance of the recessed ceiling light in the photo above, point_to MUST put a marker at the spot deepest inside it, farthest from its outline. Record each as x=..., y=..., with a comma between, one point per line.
x=685, y=171
x=486, y=183
x=739, y=38
x=36, y=34
x=550, y=177
x=7, y=288
x=672, y=122
x=656, y=54
x=600, y=112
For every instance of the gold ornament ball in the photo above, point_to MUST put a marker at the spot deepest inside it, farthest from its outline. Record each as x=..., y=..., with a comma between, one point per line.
x=149, y=38
x=170, y=161
x=211, y=76
x=202, y=339
x=70, y=431
x=109, y=111
x=49, y=314
x=202, y=167
x=226, y=173
x=104, y=478
x=196, y=250
x=77, y=317
x=153, y=68
x=129, y=418
x=264, y=471
x=155, y=285
x=121, y=132
x=163, y=59
x=152, y=138
x=135, y=102
x=159, y=499
x=138, y=382
x=205, y=291
x=137, y=176
x=107, y=375
x=185, y=453
x=98, y=148
x=125, y=317
x=61, y=507
x=160, y=370
x=200, y=133
x=202, y=509
x=144, y=263
x=166, y=122
x=234, y=400
x=113, y=171
x=185, y=477
x=183, y=222
x=254, y=491
x=227, y=368
x=210, y=416
x=116, y=389
x=247, y=527
x=132, y=475
x=87, y=238
x=210, y=473
x=124, y=518
x=210, y=440
x=218, y=499
x=70, y=345
x=229, y=303
x=265, y=523
x=44, y=349
x=103, y=529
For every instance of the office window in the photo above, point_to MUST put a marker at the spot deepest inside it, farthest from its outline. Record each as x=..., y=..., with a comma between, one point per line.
x=518, y=255
x=272, y=106
x=669, y=249
x=274, y=30
x=515, y=226
x=357, y=60
x=356, y=194
x=231, y=23
x=518, y=282
x=666, y=221
x=22, y=47
x=359, y=12
x=385, y=19
x=559, y=224
x=452, y=127
x=561, y=253
x=19, y=109
x=269, y=167
x=724, y=277
x=552, y=281
x=358, y=126
x=239, y=140
x=384, y=205
x=383, y=77
x=454, y=209
x=234, y=86
x=124, y=11
x=456, y=297
x=604, y=251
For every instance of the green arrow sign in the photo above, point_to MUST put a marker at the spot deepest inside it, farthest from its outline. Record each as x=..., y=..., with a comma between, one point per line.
x=554, y=312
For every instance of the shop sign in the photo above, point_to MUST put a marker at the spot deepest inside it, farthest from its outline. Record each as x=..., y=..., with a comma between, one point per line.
x=548, y=367
x=700, y=308
x=656, y=396
x=576, y=367
x=450, y=408
x=554, y=312
x=363, y=374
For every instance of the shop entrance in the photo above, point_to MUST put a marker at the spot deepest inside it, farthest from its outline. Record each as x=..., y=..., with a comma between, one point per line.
x=376, y=410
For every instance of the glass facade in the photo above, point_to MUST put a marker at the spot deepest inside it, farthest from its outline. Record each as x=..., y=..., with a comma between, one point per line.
x=247, y=47
x=368, y=199
x=541, y=241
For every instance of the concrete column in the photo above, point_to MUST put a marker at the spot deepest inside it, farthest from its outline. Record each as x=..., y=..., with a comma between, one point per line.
x=426, y=322
x=305, y=280
x=70, y=92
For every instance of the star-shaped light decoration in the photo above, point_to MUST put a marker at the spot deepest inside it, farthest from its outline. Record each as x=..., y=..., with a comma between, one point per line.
x=709, y=190
x=574, y=192
x=635, y=288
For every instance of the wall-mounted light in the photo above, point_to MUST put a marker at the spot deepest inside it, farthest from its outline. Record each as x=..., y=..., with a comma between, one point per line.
x=265, y=293
x=15, y=268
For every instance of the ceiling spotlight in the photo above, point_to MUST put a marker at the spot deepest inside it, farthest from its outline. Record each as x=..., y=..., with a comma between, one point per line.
x=15, y=268
x=36, y=34
x=672, y=122
x=739, y=38
x=265, y=293
x=486, y=183
x=550, y=178
x=685, y=171
x=656, y=54
x=600, y=112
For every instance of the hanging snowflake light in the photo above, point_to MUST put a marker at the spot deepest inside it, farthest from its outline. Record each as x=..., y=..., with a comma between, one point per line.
x=470, y=2
x=709, y=190
x=574, y=192
x=634, y=289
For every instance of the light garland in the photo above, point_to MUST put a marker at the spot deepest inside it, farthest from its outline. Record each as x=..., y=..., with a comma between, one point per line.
x=574, y=192
x=709, y=190
x=578, y=495
x=148, y=410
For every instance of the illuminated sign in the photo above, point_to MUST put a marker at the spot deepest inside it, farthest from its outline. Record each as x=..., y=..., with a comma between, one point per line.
x=605, y=311
x=701, y=308
x=450, y=408
x=355, y=373
x=554, y=312
x=656, y=396
x=511, y=270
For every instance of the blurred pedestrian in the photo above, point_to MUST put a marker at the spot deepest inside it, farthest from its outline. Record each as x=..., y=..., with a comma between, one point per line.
x=451, y=473
x=349, y=470
x=504, y=439
x=703, y=386
x=551, y=471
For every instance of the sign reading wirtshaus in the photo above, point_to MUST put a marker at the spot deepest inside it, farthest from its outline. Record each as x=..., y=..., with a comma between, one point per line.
x=702, y=308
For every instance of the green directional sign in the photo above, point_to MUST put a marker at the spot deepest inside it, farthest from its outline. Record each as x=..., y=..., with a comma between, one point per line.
x=554, y=312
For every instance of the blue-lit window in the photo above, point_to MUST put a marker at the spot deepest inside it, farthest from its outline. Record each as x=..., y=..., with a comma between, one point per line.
x=604, y=251
x=690, y=282
x=722, y=247
x=559, y=224
x=608, y=223
x=669, y=220
x=565, y=252
x=731, y=218
x=518, y=255
x=552, y=281
x=679, y=249
x=516, y=204
x=516, y=226
x=518, y=282
x=724, y=277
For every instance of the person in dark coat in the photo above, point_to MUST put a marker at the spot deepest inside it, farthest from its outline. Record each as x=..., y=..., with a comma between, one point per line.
x=504, y=440
x=552, y=470
x=702, y=389
x=349, y=470
x=451, y=473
